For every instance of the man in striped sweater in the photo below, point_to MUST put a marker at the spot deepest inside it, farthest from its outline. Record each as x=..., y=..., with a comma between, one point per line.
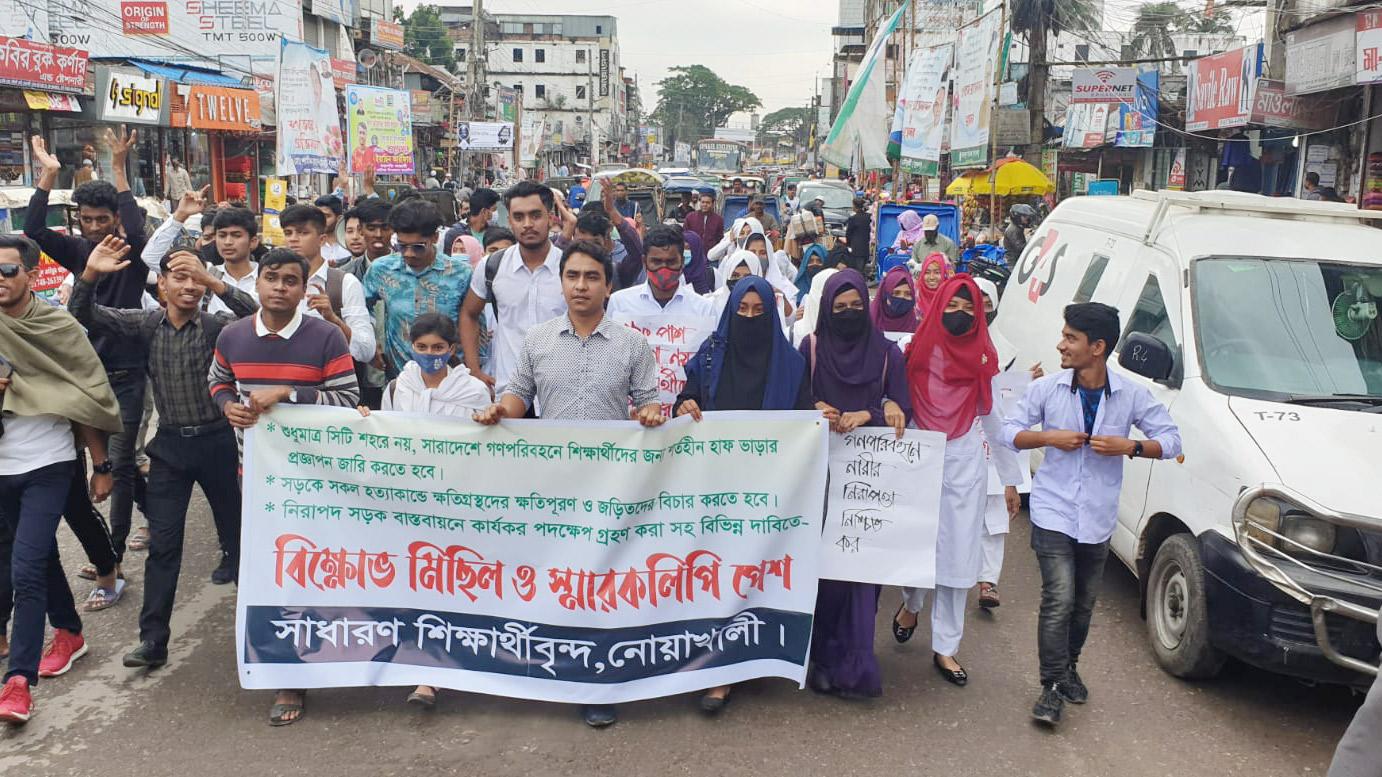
x=280, y=355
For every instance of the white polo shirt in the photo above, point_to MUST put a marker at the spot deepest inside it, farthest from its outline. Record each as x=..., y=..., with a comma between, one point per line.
x=353, y=311
x=526, y=298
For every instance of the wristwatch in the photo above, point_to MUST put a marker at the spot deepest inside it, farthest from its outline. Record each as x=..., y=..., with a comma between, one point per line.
x=104, y=468
x=1136, y=450
x=293, y=395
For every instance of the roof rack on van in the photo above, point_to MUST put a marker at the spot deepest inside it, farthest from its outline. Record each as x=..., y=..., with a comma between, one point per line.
x=1240, y=202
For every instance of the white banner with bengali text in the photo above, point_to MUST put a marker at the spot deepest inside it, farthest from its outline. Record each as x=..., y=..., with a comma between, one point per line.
x=883, y=507
x=675, y=340
x=577, y=562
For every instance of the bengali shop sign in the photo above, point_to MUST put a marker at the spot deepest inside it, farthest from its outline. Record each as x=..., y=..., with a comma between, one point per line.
x=675, y=340
x=1368, y=47
x=883, y=508
x=380, y=129
x=386, y=34
x=25, y=63
x=581, y=562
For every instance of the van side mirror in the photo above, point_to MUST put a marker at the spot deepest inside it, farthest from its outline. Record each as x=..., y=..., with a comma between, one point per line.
x=1146, y=356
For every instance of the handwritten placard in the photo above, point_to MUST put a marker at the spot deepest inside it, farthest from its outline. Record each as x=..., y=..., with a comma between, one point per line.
x=883, y=507
x=675, y=340
x=583, y=562
x=1007, y=392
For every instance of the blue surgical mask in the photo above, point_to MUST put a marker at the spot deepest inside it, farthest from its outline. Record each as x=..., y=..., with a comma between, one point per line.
x=897, y=306
x=431, y=363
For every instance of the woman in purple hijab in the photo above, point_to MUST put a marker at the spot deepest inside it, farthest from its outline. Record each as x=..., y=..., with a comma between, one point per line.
x=859, y=378
x=697, y=270
x=895, y=307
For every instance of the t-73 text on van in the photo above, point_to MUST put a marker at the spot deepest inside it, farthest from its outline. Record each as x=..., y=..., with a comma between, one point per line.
x=1255, y=320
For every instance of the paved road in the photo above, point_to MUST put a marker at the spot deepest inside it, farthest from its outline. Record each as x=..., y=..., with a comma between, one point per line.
x=191, y=718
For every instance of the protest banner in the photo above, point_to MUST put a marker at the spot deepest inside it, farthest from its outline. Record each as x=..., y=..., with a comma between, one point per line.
x=309, y=130
x=675, y=340
x=580, y=562
x=883, y=507
x=380, y=130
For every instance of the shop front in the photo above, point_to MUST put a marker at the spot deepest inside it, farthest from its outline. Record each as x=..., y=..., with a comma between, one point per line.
x=36, y=79
x=231, y=122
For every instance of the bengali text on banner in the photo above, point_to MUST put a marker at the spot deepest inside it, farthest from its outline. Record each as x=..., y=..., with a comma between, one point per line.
x=582, y=562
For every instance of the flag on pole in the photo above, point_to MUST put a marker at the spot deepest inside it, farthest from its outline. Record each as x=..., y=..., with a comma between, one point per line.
x=863, y=121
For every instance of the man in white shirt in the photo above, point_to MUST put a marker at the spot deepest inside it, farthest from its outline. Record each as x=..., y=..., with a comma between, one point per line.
x=331, y=209
x=190, y=204
x=334, y=296
x=526, y=289
x=237, y=236
x=664, y=293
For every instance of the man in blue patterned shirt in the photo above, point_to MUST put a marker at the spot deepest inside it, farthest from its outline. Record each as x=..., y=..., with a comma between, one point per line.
x=418, y=279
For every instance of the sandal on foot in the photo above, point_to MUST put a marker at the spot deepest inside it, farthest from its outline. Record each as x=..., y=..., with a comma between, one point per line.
x=424, y=700
x=139, y=540
x=900, y=632
x=278, y=714
x=103, y=598
x=988, y=596
x=87, y=572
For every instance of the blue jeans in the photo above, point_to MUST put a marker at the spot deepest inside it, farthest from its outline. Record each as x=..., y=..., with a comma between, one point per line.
x=31, y=505
x=1070, y=575
x=128, y=386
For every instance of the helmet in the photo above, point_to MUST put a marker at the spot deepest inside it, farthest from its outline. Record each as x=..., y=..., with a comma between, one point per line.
x=1023, y=214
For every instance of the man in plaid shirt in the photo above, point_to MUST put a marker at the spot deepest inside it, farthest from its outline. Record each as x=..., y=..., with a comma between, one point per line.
x=194, y=443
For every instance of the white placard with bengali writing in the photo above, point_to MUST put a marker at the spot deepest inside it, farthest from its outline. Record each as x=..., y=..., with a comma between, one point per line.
x=883, y=507
x=675, y=340
x=580, y=562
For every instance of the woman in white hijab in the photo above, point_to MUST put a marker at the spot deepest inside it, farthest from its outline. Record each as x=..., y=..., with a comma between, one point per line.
x=811, y=306
x=738, y=265
x=735, y=237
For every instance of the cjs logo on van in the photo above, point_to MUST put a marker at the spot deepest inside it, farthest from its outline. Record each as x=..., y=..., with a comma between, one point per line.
x=1036, y=258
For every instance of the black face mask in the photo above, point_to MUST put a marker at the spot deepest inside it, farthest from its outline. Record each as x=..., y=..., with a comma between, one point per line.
x=848, y=324
x=897, y=307
x=957, y=322
x=729, y=284
x=990, y=316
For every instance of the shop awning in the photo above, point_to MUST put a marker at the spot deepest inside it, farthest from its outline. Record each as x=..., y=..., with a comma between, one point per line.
x=185, y=75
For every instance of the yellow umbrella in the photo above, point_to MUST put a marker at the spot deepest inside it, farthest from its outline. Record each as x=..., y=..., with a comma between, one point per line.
x=966, y=183
x=1014, y=177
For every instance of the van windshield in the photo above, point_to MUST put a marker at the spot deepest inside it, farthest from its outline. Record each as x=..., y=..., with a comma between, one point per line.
x=1288, y=329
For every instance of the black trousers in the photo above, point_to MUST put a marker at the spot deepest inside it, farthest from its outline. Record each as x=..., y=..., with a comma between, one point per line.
x=175, y=464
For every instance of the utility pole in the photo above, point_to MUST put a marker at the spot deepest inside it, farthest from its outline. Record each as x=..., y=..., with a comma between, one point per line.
x=590, y=110
x=476, y=70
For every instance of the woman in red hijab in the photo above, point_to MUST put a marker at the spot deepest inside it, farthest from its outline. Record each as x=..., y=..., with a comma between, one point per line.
x=950, y=367
x=934, y=271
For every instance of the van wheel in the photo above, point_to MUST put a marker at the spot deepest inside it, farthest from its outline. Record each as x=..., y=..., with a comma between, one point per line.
x=1177, y=614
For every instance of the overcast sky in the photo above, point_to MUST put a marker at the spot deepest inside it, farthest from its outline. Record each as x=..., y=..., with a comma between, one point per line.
x=777, y=48
x=774, y=47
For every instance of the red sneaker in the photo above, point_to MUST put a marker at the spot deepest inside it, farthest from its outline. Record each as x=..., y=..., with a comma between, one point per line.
x=62, y=652
x=15, y=702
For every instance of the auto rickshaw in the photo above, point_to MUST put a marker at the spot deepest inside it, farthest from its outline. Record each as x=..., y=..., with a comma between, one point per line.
x=644, y=188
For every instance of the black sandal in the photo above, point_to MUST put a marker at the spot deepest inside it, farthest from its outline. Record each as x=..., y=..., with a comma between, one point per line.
x=900, y=632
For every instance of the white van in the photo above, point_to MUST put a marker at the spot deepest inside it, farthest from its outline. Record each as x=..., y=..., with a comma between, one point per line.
x=1255, y=320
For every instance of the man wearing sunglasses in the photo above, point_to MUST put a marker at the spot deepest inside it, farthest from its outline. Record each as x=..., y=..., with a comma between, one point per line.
x=418, y=279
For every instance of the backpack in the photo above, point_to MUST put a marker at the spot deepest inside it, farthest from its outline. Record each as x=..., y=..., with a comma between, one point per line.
x=492, y=263
x=335, y=282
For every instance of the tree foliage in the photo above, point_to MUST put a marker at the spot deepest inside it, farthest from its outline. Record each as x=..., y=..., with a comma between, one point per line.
x=793, y=124
x=424, y=37
x=1037, y=20
x=692, y=101
x=1151, y=31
